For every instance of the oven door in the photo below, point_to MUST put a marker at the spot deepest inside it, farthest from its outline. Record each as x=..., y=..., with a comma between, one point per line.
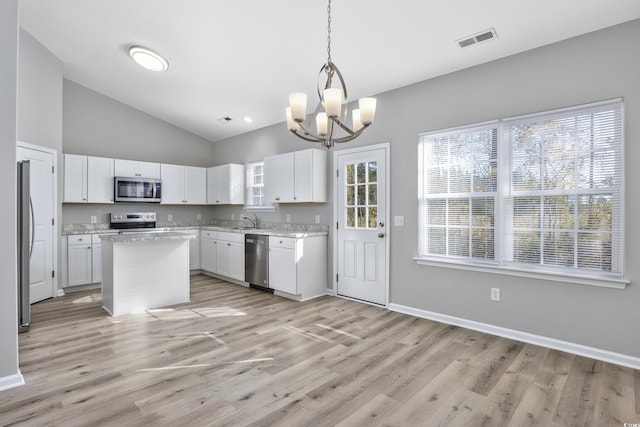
x=137, y=189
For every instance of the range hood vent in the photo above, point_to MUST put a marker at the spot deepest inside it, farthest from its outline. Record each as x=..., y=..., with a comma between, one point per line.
x=482, y=36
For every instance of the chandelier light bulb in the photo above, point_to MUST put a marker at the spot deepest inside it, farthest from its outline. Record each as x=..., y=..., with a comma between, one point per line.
x=298, y=105
x=357, y=123
x=321, y=124
x=333, y=101
x=291, y=125
x=367, y=110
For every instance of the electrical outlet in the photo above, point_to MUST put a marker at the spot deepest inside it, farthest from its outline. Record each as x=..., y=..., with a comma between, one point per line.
x=495, y=294
x=94, y=219
x=169, y=217
x=398, y=221
x=317, y=219
x=288, y=217
x=198, y=217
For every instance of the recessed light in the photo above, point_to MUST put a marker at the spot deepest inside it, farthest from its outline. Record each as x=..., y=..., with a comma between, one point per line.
x=147, y=58
x=248, y=119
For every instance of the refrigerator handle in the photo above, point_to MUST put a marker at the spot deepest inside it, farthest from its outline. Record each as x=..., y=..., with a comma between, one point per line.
x=33, y=227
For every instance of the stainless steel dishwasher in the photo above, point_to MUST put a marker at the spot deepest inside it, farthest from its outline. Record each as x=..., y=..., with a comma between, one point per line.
x=256, y=261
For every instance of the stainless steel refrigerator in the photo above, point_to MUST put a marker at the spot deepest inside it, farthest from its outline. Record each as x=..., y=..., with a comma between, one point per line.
x=25, y=242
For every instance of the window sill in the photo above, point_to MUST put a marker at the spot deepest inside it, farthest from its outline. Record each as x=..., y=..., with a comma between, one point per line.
x=533, y=274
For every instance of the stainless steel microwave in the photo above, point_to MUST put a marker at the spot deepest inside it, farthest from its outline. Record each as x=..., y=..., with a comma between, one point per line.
x=135, y=189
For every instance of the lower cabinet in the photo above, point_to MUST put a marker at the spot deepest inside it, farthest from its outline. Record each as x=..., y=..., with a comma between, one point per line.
x=298, y=267
x=84, y=259
x=222, y=253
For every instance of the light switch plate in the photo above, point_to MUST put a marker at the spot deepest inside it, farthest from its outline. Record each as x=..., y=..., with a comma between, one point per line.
x=317, y=219
x=398, y=221
x=94, y=219
x=198, y=217
x=288, y=217
x=169, y=217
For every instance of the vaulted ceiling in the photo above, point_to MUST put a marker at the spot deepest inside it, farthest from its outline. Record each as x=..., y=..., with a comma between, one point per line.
x=242, y=58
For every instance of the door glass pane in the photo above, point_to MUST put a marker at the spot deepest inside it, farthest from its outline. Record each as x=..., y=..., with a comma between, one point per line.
x=373, y=172
x=351, y=217
x=362, y=217
x=350, y=173
x=373, y=217
x=351, y=195
x=362, y=190
x=373, y=194
x=362, y=175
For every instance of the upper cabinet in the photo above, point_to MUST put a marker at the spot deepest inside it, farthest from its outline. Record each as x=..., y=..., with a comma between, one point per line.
x=225, y=185
x=183, y=185
x=298, y=177
x=88, y=179
x=133, y=168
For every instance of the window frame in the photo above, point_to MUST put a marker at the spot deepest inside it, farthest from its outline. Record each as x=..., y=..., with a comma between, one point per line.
x=503, y=209
x=249, y=186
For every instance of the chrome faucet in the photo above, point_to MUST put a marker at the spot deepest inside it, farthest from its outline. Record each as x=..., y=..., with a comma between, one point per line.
x=255, y=221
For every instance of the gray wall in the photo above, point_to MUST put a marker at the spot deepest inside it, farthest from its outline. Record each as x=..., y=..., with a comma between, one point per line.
x=596, y=66
x=40, y=103
x=8, y=90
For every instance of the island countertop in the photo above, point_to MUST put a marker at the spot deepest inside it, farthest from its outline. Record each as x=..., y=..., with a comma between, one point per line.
x=145, y=237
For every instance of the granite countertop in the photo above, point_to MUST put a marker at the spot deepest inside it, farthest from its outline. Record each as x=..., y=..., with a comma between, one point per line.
x=143, y=237
x=269, y=229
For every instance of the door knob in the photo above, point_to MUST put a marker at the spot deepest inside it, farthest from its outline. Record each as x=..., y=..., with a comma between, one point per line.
x=381, y=235
x=381, y=224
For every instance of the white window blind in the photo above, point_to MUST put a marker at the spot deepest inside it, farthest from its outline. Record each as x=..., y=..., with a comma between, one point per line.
x=542, y=191
x=458, y=192
x=566, y=188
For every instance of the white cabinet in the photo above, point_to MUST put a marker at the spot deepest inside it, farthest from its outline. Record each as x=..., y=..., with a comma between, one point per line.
x=298, y=177
x=134, y=168
x=99, y=180
x=298, y=267
x=222, y=253
x=231, y=255
x=84, y=259
x=225, y=185
x=88, y=179
x=75, y=179
x=183, y=185
x=79, y=260
x=209, y=251
x=279, y=178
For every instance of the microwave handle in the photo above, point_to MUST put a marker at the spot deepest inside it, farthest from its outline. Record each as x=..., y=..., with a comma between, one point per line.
x=154, y=189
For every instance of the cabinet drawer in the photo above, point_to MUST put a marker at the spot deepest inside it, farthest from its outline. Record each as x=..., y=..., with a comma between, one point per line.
x=79, y=239
x=208, y=234
x=231, y=237
x=282, y=242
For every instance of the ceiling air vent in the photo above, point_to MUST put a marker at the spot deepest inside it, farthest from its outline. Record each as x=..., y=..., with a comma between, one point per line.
x=477, y=38
x=226, y=119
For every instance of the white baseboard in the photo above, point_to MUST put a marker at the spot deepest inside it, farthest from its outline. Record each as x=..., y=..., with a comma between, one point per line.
x=11, y=381
x=569, y=347
x=60, y=293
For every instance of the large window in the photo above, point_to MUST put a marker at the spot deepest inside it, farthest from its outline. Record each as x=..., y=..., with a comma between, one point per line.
x=542, y=191
x=255, y=187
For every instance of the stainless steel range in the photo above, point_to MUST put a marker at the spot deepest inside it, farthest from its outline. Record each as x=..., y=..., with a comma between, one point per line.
x=133, y=222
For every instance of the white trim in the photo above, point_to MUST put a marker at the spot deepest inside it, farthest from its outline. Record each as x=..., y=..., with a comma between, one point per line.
x=11, y=381
x=556, y=344
x=60, y=293
x=55, y=282
x=386, y=146
x=612, y=283
x=564, y=109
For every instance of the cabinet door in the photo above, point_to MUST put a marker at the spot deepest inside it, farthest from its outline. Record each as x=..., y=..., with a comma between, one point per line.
x=99, y=180
x=195, y=185
x=172, y=184
x=224, y=258
x=282, y=269
x=311, y=175
x=75, y=178
x=125, y=168
x=223, y=184
x=148, y=170
x=279, y=178
x=96, y=263
x=209, y=255
x=213, y=186
x=236, y=269
x=79, y=264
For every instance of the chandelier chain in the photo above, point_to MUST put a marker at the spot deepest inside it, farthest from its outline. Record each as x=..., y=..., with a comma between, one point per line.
x=329, y=32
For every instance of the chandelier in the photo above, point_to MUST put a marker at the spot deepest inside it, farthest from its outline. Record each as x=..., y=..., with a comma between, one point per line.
x=332, y=112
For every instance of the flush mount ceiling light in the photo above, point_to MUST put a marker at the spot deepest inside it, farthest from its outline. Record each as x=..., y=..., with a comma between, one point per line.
x=146, y=58
x=332, y=111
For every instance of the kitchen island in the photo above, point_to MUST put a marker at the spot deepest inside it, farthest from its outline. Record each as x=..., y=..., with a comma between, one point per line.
x=144, y=271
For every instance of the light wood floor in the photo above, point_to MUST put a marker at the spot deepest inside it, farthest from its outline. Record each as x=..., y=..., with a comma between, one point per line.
x=236, y=356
